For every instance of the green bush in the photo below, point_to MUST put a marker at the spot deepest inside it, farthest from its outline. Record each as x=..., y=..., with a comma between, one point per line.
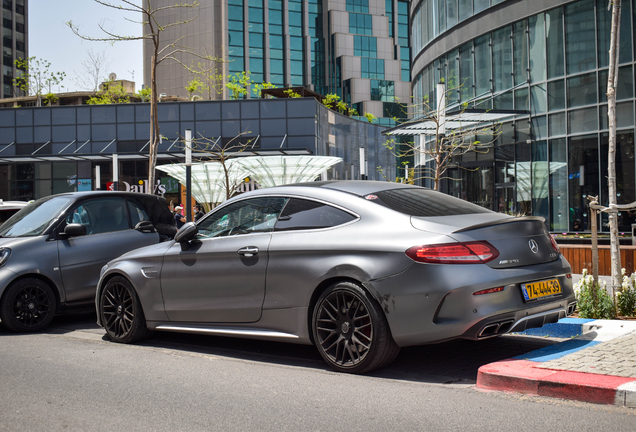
x=602, y=308
x=626, y=296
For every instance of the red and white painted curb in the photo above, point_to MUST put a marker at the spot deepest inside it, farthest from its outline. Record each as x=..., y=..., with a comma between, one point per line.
x=522, y=375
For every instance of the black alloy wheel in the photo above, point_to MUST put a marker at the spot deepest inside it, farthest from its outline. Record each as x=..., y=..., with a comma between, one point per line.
x=28, y=305
x=121, y=312
x=351, y=331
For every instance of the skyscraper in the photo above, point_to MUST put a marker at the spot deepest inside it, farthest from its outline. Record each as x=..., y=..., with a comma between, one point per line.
x=14, y=42
x=357, y=49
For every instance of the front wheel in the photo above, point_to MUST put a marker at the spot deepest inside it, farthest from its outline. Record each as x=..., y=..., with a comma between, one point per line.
x=121, y=312
x=351, y=331
x=28, y=305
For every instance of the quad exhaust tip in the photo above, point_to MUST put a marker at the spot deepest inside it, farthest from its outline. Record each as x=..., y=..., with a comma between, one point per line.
x=496, y=329
x=571, y=308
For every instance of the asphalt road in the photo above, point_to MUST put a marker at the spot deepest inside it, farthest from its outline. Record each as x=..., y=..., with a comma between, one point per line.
x=72, y=378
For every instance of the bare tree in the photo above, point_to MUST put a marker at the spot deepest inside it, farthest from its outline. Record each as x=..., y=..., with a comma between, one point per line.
x=94, y=70
x=448, y=144
x=224, y=154
x=612, y=82
x=161, y=52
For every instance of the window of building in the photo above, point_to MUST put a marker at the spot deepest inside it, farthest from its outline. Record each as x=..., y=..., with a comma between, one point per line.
x=365, y=46
x=358, y=6
x=580, y=37
x=382, y=90
x=372, y=68
x=361, y=24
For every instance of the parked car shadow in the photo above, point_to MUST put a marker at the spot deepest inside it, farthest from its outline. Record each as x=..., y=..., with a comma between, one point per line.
x=444, y=363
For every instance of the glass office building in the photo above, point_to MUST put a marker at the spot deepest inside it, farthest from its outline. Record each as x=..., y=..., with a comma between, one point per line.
x=14, y=27
x=357, y=49
x=549, y=58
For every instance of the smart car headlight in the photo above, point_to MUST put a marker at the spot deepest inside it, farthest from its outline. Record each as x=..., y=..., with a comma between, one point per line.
x=5, y=253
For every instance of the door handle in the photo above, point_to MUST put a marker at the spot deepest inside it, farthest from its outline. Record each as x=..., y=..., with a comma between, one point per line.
x=249, y=251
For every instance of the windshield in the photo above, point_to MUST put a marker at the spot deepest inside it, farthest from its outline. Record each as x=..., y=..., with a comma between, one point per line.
x=35, y=218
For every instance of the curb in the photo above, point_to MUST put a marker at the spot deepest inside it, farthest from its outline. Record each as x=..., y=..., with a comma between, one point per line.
x=523, y=374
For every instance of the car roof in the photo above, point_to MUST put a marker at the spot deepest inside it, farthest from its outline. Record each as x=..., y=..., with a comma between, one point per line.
x=356, y=187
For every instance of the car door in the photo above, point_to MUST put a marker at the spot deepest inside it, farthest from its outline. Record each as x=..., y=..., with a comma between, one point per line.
x=109, y=234
x=221, y=278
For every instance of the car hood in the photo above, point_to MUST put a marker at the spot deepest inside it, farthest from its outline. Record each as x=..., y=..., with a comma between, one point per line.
x=151, y=251
x=10, y=242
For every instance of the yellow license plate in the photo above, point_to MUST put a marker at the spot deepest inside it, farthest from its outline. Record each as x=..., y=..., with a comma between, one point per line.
x=535, y=290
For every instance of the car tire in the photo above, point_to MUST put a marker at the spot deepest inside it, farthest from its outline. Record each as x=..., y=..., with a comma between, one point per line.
x=121, y=312
x=351, y=331
x=28, y=305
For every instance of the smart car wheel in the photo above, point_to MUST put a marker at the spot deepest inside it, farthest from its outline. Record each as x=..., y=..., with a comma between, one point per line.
x=351, y=331
x=121, y=312
x=28, y=305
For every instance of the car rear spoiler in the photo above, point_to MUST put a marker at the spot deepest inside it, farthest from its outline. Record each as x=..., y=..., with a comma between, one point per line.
x=501, y=222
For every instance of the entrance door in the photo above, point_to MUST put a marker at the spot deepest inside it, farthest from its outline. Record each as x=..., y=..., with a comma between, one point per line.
x=505, y=195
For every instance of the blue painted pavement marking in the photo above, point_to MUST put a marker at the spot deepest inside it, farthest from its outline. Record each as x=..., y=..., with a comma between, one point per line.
x=556, y=351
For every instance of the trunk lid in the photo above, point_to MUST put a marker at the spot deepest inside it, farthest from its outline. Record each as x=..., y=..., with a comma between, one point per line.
x=521, y=241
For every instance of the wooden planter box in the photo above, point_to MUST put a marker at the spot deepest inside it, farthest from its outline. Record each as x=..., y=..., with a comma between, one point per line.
x=580, y=257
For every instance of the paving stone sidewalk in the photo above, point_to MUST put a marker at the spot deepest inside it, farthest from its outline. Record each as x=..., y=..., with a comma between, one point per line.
x=615, y=357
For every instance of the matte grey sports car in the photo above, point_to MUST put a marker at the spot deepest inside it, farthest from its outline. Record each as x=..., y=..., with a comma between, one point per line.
x=358, y=268
x=51, y=251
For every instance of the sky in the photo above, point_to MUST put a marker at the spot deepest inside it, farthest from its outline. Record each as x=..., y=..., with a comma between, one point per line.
x=52, y=40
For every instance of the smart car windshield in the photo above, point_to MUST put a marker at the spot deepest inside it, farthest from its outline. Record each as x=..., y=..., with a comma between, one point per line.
x=35, y=218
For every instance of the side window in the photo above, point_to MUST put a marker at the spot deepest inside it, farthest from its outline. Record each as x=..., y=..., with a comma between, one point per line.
x=137, y=213
x=100, y=215
x=304, y=214
x=243, y=217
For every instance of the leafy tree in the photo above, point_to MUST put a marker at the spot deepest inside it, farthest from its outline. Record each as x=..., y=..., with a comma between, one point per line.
x=192, y=87
x=239, y=84
x=370, y=117
x=145, y=94
x=257, y=89
x=152, y=31
x=35, y=77
x=112, y=93
x=291, y=94
x=209, y=73
x=50, y=99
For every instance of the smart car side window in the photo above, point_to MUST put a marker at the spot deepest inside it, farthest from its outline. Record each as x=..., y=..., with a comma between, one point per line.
x=243, y=217
x=100, y=215
x=137, y=213
x=302, y=214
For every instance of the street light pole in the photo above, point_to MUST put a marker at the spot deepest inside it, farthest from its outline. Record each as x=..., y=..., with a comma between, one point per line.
x=115, y=172
x=188, y=160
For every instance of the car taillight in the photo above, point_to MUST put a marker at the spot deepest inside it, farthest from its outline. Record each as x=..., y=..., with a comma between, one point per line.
x=555, y=245
x=454, y=253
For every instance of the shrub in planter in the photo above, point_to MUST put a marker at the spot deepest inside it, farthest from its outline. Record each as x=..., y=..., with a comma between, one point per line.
x=626, y=296
x=602, y=308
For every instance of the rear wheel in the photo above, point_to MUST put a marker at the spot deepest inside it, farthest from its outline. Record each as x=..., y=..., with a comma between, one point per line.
x=121, y=312
x=28, y=305
x=351, y=331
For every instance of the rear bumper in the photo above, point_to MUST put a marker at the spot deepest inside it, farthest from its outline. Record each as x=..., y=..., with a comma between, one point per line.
x=432, y=303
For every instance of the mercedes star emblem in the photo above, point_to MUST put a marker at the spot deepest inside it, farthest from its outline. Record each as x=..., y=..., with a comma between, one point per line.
x=534, y=247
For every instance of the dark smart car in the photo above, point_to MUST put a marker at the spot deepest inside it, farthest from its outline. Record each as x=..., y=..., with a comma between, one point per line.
x=52, y=250
x=357, y=268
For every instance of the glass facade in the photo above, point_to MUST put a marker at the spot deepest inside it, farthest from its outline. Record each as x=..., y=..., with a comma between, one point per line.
x=554, y=65
x=49, y=150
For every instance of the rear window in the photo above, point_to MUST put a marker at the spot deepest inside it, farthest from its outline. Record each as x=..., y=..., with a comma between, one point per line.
x=424, y=203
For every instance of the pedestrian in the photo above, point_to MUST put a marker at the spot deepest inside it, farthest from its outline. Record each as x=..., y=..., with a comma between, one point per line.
x=198, y=212
x=179, y=219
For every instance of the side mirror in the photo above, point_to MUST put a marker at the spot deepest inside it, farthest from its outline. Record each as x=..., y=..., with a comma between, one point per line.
x=187, y=232
x=145, y=227
x=74, y=230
